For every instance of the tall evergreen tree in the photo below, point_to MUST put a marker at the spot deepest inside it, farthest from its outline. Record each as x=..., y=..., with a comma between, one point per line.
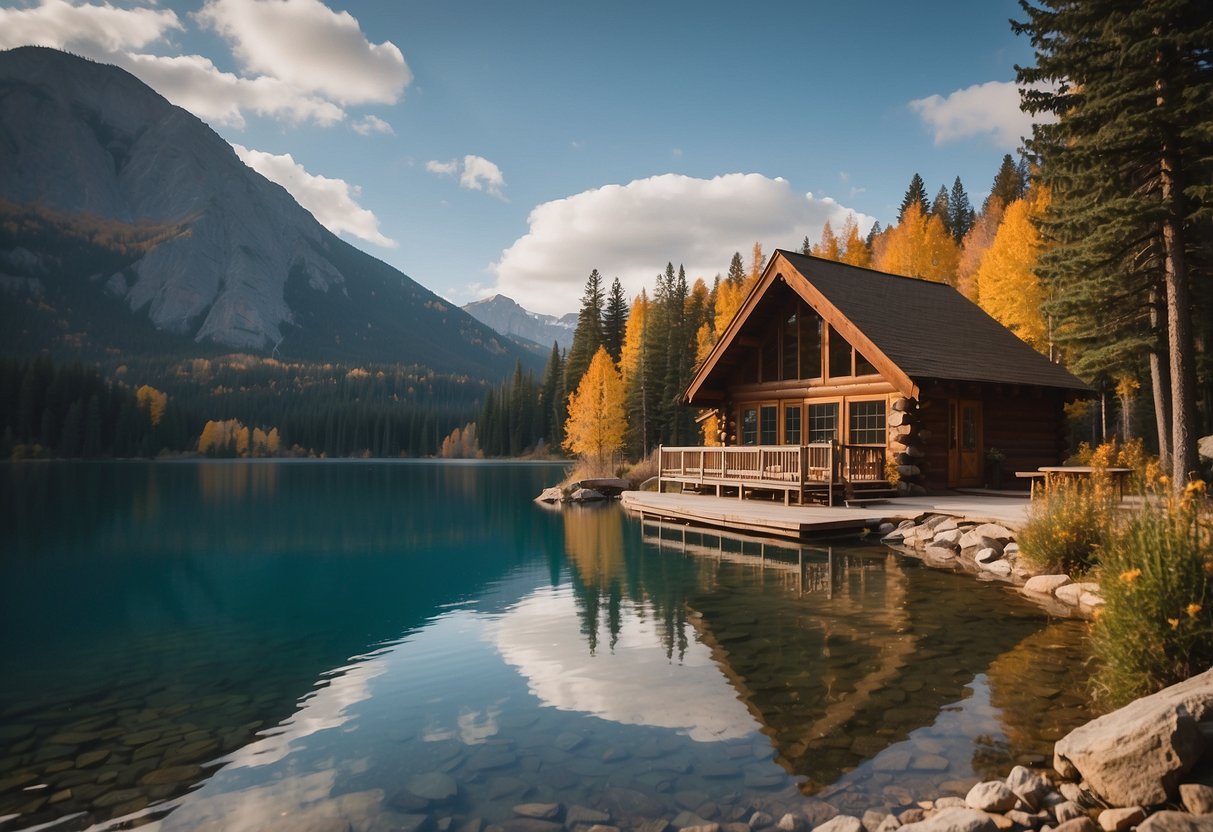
x=942, y=208
x=587, y=337
x=553, y=414
x=615, y=321
x=806, y=247
x=1010, y=183
x=1130, y=164
x=961, y=212
x=736, y=273
x=915, y=194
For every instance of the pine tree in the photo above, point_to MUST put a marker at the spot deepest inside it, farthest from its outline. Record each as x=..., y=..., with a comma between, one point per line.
x=961, y=212
x=806, y=247
x=587, y=337
x=916, y=194
x=1010, y=183
x=615, y=321
x=942, y=208
x=552, y=409
x=632, y=367
x=1130, y=167
x=736, y=273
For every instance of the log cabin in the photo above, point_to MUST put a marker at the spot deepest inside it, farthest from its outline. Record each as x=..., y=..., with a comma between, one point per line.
x=838, y=378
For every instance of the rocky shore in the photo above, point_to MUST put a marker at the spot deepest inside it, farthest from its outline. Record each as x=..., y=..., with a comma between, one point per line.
x=989, y=551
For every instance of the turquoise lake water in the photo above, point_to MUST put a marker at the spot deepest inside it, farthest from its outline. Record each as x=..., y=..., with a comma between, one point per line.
x=403, y=645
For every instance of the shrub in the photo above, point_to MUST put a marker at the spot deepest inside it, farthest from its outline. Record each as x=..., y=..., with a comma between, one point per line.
x=1068, y=523
x=1156, y=627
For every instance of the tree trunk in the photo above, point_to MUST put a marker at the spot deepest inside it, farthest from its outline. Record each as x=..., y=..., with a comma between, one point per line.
x=1180, y=343
x=1160, y=382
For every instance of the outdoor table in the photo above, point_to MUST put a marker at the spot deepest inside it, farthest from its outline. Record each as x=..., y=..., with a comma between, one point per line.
x=1118, y=475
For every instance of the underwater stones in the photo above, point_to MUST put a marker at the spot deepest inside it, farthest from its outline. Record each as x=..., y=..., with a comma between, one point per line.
x=929, y=762
x=538, y=811
x=171, y=774
x=92, y=758
x=433, y=786
x=490, y=757
x=953, y=820
x=584, y=816
x=390, y=821
x=760, y=820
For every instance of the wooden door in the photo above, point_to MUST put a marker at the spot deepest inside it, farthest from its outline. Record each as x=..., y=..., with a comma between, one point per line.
x=965, y=452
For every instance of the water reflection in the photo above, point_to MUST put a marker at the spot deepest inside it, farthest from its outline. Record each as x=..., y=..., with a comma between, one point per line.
x=270, y=645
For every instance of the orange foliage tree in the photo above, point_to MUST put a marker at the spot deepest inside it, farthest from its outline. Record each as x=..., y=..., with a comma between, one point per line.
x=1007, y=285
x=597, y=420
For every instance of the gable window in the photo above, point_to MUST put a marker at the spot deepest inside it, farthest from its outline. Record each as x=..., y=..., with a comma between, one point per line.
x=810, y=326
x=867, y=425
x=863, y=367
x=840, y=355
x=791, y=337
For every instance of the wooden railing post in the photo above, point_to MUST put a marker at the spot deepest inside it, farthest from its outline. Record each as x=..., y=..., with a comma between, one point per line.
x=660, y=466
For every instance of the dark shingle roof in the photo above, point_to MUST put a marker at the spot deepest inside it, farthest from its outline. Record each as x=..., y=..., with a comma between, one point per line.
x=930, y=330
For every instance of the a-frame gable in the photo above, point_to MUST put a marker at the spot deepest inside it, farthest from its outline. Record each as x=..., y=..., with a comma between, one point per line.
x=779, y=267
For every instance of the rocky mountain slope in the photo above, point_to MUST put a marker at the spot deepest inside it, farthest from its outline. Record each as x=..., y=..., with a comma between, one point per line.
x=506, y=316
x=127, y=224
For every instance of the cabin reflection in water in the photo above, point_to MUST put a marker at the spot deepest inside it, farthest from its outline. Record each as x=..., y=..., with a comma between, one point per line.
x=864, y=669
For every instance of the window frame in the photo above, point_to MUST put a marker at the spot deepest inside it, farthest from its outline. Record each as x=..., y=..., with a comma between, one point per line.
x=884, y=400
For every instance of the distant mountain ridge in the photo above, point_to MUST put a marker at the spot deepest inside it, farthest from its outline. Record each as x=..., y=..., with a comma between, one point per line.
x=509, y=318
x=126, y=223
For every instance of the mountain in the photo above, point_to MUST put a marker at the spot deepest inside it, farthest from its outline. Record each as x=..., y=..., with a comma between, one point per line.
x=129, y=227
x=505, y=316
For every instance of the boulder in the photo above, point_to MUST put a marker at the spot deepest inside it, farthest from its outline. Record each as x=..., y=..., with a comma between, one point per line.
x=1028, y=786
x=1204, y=446
x=538, y=811
x=948, y=537
x=939, y=552
x=841, y=823
x=1121, y=820
x=987, y=555
x=998, y=567
x=1068, y=811
x=550, y=495
x=991, y=531
x=1072, y=593
x=1010, y=549
x=1082, y=824
x=1045, y=584
x=434, y=786
x=1197, y=798
x=1176, y=822
x=954, y=820
x=948, y=524
x=1135, y=756
x=586, y=495
x=991, y=796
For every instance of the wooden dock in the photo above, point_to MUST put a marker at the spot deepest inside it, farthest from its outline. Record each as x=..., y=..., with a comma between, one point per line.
x=798, y=522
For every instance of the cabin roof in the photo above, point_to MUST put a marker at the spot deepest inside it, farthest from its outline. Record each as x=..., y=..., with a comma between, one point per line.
x=926, y=330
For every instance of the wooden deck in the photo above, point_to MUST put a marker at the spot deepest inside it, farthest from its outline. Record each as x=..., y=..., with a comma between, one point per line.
x=797, y=522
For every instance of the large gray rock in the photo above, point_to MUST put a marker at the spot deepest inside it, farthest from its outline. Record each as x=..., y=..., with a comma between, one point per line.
x=434, y=786
x=1176, y=822
x=999, y=535
x=991, y=796
x=1028, y=786
x=1135, y=756
x=954, y=820
x=842, y=823
x=1045, y=584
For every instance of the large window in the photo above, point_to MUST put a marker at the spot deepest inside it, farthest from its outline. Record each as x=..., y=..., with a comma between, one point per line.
x=768, y=425
x=790, y=349
x=810, y=343
x=867, y=423
x=791, y=424
x=840, y=355
x=823, y=422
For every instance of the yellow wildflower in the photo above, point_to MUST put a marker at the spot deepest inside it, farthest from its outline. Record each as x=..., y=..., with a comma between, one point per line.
x=1174, y=622
x=1131, y=575
x=1193, y=609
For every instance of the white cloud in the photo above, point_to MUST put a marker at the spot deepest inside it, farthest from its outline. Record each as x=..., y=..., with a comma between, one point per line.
x=475, y=173
x=990, y=109
x=332, y=201
x=479, y=174
x=632, y=230
x=193, y=82
x=367, y=125
x=87, y=29
x=309, y=46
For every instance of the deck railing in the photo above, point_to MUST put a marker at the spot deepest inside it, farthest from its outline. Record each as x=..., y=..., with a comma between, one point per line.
x=785, y=467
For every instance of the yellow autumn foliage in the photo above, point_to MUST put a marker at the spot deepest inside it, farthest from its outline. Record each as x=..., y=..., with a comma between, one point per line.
x=153, y=401
x=633, y=337
x=855, y=251
x=919, y=246
x=597, y=420
x=1007, y=285
x=827, y=248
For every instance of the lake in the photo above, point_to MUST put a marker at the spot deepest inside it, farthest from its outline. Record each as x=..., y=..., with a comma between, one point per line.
x=377, y=645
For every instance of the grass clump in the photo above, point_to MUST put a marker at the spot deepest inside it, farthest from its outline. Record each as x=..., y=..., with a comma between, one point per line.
x=1068, y=524
x=1156, y=627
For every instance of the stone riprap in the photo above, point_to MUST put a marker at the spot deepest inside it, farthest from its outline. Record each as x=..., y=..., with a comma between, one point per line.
x=989, y=550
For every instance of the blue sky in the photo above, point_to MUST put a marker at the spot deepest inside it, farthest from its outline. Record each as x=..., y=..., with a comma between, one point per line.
x=488, y=146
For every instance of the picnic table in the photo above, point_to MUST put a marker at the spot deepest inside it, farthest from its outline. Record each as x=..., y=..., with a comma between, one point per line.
x=1054, y=473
